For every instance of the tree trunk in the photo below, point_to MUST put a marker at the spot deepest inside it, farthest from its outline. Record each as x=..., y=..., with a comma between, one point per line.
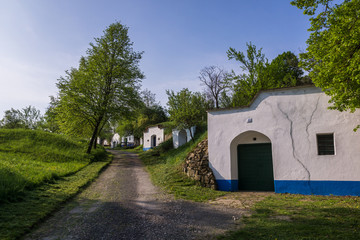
x=95, y=142
x=93, y=138
x=191, y=135
x=98, y=133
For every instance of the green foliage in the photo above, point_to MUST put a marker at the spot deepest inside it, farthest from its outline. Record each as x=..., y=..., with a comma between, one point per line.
x=165, y=146
x=164, y=165
x=292, y=217
x=28, y=117
x=186, y=109
x=258, y=74
x=103, y=88
x=50, y=123
x=250, y=81
x=145, y=116
x=150, y=113
x=30, y=158
x=106, y=133
x=333, y=52
x=283, y=71
x=168, y=127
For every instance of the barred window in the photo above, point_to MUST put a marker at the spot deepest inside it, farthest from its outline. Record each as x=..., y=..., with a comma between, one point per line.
x=325, y=144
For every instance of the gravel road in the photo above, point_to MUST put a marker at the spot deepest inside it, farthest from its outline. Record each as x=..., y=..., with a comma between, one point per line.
x=123, y=204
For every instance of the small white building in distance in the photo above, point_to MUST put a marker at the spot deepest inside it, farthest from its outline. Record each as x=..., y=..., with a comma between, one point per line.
x=128, y=141
x=115, y=140
x=153, y=136
x=180, y=137
x=287, y=141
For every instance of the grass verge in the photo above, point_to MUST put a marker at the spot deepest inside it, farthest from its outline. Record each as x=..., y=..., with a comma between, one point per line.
x=286, y=216
x=137, y=149
x=165, y=167
x=17, y=218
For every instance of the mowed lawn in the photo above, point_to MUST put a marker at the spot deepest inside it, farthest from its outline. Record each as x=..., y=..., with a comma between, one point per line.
x=29, y=158
x=287, y=216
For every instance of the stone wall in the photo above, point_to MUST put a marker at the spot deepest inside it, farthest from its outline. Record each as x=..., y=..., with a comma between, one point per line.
x=196, y=166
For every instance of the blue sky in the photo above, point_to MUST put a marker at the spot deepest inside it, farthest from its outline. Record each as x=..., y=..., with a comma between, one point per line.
x=40, y=39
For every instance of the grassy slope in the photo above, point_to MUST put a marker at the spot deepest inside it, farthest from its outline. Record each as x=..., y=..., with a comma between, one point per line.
x=29, y=158
x=164, y=166
x=39, y=171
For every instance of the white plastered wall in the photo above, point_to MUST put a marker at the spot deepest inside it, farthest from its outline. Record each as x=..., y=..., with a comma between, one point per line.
x=115, y=140
x=155, y=130
x=181, y=137
x=290, y=119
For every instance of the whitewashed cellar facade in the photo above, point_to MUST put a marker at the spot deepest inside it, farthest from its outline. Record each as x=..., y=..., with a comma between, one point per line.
x=287, y=141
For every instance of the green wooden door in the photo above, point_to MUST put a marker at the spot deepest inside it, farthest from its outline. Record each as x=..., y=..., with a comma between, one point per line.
x=255, y=167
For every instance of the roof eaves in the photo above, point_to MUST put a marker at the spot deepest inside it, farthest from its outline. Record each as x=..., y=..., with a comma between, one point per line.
x=257, y=94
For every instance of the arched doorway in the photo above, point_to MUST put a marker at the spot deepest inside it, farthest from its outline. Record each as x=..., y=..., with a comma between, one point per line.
x=254, y=161
x=182, y=137
x=153, y=141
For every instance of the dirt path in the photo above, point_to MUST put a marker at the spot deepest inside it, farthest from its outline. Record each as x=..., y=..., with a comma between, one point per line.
x=123, y=204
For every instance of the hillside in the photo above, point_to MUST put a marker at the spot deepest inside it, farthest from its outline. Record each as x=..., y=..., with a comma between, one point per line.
x=29, y=158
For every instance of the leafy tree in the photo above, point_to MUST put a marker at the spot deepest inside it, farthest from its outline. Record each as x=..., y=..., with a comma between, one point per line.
x=247, y=84
x=283, y=71
x=258, y=74
x=106, y=134
x=226, y=98
x=216, y=82
x=103, y=88
x=50, y=123
x=145, y=116
x=333, y=51
x=28, y=117
x=12, y=119
x=187, y=109
x=150, y=112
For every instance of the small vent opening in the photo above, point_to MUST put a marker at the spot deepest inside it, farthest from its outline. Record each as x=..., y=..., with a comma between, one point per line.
x=325, y=144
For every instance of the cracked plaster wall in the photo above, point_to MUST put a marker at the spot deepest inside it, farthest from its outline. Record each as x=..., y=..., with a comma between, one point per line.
x=290, y=119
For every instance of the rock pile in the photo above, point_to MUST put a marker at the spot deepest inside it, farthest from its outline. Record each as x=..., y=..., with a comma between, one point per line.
x=196, y=166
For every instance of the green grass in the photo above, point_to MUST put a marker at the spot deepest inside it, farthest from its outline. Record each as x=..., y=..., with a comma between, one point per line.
x=38, y=172
x=18, y=218
x=137, y=149
x=29, y=158
x=285, y=216
x=164, y=165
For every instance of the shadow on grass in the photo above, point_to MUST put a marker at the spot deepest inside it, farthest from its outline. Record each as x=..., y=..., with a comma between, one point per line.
x=17, y=218
x=315, y=223
x=12, y=185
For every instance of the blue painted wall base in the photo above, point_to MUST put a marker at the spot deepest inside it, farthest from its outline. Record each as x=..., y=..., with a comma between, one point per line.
x=145, y=149
x=338, y=188
x=227, y=185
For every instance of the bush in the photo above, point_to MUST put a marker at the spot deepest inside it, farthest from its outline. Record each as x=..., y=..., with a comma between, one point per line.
x=98, y=154
x=165, y=146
